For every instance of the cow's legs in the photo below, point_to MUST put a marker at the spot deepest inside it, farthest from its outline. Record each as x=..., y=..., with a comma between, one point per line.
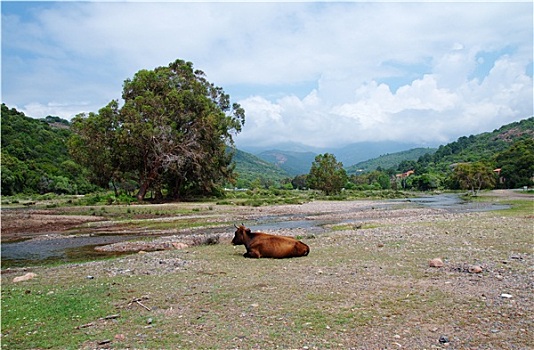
x=252, y=254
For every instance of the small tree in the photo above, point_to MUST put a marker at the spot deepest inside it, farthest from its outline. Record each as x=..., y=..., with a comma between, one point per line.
x=474, y=176
x=327, y=174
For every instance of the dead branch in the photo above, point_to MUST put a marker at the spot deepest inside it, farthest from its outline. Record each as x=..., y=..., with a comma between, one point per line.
x=138, y=301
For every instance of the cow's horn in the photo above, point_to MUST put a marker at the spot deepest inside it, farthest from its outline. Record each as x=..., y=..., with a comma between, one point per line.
x=235, y=226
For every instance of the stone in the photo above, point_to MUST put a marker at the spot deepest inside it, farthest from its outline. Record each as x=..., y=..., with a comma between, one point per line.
x=506, y=296
x=179, y=245
x=436, y=262
x=444, y=339
x=25, y=277
x=475, y=269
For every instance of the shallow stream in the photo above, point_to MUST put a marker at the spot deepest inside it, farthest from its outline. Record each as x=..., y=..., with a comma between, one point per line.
x=81, y=248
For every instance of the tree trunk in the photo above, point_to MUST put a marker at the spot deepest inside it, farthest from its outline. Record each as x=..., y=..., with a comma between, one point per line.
x=115, y=189
x=158, y=195
x=142, y=191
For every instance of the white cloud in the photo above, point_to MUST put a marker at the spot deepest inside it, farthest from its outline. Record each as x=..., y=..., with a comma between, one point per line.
x=364, y=71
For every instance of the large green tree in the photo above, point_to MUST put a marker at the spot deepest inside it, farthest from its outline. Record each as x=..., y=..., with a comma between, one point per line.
x=171, y=132
x=327, y=174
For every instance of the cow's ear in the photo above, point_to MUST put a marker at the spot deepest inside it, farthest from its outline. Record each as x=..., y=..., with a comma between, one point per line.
x=247, y=231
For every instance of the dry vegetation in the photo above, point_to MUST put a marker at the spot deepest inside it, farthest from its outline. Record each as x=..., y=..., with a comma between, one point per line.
x=365, y=285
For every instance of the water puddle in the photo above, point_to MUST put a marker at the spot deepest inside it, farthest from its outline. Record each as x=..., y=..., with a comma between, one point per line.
x=453, y=203
x=57, y=249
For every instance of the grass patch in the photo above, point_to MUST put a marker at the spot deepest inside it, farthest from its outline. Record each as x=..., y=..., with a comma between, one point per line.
x=45, y=317
x=519, y=208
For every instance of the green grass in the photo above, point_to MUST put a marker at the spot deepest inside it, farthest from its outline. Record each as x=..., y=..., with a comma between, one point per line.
x=41, y=316
x=519, y=208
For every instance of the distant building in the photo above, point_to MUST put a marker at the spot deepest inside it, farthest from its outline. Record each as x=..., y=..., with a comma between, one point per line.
x=405, y=175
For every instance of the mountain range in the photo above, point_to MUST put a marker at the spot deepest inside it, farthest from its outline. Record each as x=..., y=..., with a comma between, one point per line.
x=297, y=159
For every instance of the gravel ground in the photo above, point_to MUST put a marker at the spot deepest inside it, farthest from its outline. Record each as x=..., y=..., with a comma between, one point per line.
x=366, y=284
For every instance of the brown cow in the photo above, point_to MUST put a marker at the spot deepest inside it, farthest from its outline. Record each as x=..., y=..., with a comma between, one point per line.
x=263, y=245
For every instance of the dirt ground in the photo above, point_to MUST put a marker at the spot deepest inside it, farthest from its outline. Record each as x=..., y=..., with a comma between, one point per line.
x=367, y=283
x=23, y=223
x=26, y=223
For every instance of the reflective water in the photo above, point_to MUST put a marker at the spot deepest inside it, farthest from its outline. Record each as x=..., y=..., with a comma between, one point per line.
x=454, y=203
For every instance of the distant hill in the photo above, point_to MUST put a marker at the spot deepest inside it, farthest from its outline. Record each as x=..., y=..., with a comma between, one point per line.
x=35, y=157
x=296, y=158
x=388, y=161
x=486, y=145
x=361, y=151
x=293, y=163
x=250, y=167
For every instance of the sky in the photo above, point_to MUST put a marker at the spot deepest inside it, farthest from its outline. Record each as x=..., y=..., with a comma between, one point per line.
x=321, y=74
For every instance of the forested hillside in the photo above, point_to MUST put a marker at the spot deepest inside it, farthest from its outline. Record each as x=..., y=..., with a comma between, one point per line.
x=485, y=145
x=388, y=161
x=35, y=157
x=503, y=158
x=294, y=163
x=251, y=169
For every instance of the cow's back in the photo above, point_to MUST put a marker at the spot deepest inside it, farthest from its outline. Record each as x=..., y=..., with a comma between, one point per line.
x=271, y=246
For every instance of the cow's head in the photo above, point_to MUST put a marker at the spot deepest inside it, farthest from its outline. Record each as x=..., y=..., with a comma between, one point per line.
x=240, y=234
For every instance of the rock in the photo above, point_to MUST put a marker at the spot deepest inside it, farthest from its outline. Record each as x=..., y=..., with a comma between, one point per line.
x=25, y=277
x=475, y=269
x=179, y=245
x=506, y=296
x=436, y=262
x=444, y=339
x=90, y=277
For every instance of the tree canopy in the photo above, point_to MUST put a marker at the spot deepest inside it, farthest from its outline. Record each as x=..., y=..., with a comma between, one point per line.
x=171, y=133
x=327, y=174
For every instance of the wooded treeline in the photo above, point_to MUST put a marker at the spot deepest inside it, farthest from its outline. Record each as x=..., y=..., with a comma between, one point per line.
x=35, y=159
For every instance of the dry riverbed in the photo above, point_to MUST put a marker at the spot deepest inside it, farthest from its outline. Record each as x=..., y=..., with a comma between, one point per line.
x=366, y=284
